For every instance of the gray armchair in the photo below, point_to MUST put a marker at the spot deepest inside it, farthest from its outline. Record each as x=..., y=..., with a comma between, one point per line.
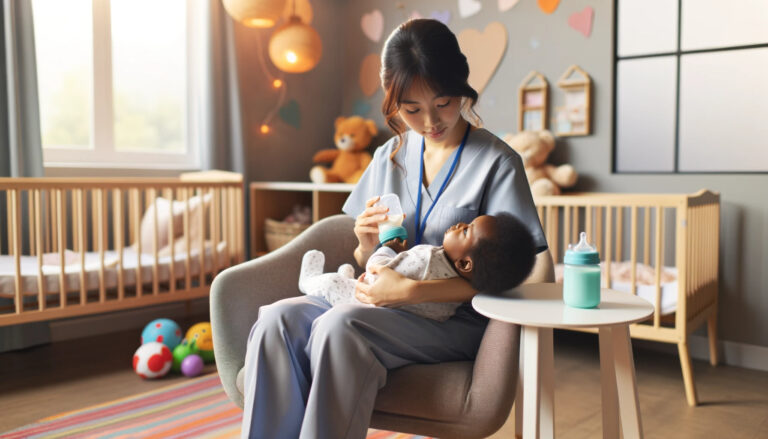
x=462, y=399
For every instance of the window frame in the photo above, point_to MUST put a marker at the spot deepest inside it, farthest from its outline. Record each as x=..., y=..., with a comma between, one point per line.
x=102, y=152
x=677, y=54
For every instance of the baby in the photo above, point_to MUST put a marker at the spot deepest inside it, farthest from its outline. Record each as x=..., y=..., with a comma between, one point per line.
x=494, y=253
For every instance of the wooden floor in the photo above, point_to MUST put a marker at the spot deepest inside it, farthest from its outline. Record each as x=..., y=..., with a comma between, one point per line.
x=46, y=380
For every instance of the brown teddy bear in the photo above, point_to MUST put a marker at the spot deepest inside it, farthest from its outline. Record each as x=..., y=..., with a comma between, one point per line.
x=350, y=158
x=534, y=147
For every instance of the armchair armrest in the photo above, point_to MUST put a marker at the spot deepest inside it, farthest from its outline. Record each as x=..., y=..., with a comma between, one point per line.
x=238, y=292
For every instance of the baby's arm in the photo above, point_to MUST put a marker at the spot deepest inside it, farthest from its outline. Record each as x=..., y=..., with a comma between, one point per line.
x=382, y=256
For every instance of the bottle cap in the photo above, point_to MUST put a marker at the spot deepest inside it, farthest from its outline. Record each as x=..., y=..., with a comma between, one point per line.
x=391, y=233
x=582, y=253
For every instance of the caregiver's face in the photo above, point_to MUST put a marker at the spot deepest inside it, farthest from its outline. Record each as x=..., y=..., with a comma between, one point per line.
x=432, y=115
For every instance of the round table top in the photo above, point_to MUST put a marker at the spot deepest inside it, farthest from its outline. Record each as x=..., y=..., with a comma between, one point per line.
x=542, y=305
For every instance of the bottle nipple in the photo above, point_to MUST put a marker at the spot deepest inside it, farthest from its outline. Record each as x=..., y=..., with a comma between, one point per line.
x=582, y=246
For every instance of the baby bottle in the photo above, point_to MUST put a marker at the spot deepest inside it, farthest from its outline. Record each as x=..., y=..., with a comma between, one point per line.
x=391, y=227
x=581, y=277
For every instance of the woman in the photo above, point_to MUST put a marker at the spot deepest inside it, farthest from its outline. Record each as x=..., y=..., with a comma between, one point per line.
x=312, y=370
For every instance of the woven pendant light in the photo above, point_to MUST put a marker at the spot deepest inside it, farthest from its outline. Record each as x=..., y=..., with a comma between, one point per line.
x=295, y=47
x=255, y=13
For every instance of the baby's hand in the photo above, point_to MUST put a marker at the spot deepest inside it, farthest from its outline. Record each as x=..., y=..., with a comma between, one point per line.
x=397, y=244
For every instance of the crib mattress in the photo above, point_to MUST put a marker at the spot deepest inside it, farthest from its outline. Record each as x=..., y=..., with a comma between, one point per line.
x=645, y=282
x=29, y=270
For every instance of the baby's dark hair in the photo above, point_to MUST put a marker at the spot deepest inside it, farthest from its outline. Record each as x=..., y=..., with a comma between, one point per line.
x=504, y=261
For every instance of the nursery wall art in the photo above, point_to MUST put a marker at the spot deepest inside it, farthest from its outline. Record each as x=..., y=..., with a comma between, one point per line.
x=573, y=119
x=484, y=51
x=533, y=103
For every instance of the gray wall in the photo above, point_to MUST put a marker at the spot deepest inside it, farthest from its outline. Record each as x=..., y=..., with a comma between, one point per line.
x=536, y=42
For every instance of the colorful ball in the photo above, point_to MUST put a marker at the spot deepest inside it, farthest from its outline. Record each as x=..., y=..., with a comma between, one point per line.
x=152, y=360
x=181, y=352
x=202, y=336
x=164, y=331
x=192, y=365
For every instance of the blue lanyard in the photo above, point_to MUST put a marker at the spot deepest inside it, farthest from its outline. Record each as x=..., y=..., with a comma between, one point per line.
x=421, y=226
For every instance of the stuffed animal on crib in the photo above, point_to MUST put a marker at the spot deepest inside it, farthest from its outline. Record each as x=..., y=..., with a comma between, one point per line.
x=350, y=158
x=534, y=148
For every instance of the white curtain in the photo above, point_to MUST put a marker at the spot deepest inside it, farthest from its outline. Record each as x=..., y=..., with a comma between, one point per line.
x=21, y=153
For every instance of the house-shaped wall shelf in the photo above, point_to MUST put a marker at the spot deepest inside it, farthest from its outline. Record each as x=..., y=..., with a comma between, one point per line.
x=533, y=103
x=574, y=118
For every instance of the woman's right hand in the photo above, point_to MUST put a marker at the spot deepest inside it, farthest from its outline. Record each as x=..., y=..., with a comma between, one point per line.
x=367, y=225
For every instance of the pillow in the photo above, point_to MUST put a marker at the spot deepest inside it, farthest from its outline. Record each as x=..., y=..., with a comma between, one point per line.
x=168, y=211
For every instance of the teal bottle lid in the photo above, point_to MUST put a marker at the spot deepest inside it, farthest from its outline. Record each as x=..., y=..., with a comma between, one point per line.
x=582, y=253
x=391, y=233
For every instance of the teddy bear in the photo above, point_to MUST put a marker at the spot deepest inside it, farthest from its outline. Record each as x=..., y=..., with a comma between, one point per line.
x=350, y=158
x=534, y=147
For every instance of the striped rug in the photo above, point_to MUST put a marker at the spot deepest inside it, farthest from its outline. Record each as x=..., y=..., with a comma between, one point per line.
x=196, y=408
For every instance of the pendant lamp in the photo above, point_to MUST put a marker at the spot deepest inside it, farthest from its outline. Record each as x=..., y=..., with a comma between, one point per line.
x=295, y=47
x=255, y=13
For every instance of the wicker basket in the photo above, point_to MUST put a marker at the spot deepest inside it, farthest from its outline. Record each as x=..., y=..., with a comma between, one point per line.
x=279, y=233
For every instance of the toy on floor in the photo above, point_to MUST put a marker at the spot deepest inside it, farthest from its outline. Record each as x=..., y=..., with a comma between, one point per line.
x=182, y=351
x=201, y=334
x=192, y=365
x=152, y=360
x=164, y=331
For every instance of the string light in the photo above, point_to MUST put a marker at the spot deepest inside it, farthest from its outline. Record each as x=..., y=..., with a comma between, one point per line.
x=277, y=83
x=264, y=129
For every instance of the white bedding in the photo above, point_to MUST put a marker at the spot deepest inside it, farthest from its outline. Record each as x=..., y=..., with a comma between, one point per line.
x=29, y=270
x=645, y=282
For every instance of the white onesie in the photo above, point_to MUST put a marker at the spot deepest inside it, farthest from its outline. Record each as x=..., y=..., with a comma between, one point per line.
x=422, y=262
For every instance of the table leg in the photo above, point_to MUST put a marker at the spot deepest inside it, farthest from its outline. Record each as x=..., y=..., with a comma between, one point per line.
x=537, y=375
x=519, y=394
x=629, y=406
x=608, y=385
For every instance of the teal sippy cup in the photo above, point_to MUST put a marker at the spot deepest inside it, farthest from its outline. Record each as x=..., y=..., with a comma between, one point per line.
x=391, y=227
x=581, y=277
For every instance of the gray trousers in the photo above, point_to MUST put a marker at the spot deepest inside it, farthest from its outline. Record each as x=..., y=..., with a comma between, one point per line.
x=313, y=371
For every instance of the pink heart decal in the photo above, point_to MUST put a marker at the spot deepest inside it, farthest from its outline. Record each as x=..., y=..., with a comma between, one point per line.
x=582, y=21
x=373, y=25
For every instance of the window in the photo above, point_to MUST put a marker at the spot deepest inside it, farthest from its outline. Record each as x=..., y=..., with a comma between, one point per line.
x=114, y=82
x=691, y=94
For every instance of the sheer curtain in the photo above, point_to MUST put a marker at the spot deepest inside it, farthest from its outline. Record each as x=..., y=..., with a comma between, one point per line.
x=21, y=153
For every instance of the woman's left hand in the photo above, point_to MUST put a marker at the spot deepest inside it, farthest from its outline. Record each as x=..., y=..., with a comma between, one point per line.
x=390, y=288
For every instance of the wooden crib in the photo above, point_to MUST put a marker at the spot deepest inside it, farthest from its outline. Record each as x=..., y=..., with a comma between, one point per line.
x=652, y=232
x=78, y=246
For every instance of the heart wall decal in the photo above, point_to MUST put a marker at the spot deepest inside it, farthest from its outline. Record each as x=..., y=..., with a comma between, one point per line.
x=290, y=113
x=484, y=51
x=441, y=16
x=468, y=8
x=548, y=6
x=505, y=5
x=369, y=74
x=582, y=21
x=372, y=24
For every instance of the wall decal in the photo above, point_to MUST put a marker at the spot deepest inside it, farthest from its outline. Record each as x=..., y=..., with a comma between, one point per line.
x=534, y=43
x=291, y=113
x=361, y=107
x=484, y=52
x=468, y=8
x=505, y=5
x=548, y=6
x=533, y=103
x=372, y=24
x=415, y=15
x=369, y=74
x=582, y=21
x=574, y=119
x=441, y=16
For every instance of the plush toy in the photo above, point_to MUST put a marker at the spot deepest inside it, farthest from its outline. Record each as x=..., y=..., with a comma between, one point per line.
x=350, y=158
x=152, y=360
x=534, y=147
x=164, y=331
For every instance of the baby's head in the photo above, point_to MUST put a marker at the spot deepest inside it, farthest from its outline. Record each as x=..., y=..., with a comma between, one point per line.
x=494, y=253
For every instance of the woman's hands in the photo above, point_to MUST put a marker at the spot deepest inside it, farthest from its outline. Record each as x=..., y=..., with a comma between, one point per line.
x=390, y=289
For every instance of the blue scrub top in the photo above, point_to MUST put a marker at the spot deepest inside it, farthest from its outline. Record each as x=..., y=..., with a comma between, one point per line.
x=489, y=178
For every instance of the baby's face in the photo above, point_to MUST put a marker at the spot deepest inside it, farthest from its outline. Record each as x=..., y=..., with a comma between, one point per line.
x=461, y=238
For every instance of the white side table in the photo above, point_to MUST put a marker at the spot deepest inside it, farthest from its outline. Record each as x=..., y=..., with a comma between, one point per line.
x=539, y=308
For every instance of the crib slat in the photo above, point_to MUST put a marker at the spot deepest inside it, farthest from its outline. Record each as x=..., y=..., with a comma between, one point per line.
x=39, y=244
x=31, y=222
x=187, y=243
x=619, y=233
x=80, y=218
x=551, y=231
x=45, y=201
x=117, y=206
x=576, y=229
x=659, y=265
x=608, y=244
x=201, y=217
x=60, y=246
x=588, y=224
x=168, y=192
x=155, y=233
x=599, y=229
x=647, y=235
x=135, y=203
x=14, y=209
x=633, y=249
x=225, y=222
x=102, y=228
x=54, y=223
x=215, y=216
